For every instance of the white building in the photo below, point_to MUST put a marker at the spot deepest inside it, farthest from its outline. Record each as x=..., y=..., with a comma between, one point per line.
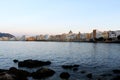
x=13, y=39
x=23, y=38
x=46, y=37
x=117, y=33
x=99, y=34
x=82, y=36
x=42, y=37
x=114, y=34
x=71, y=37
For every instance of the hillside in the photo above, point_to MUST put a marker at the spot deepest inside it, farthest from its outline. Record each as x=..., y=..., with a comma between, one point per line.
x=6, y=35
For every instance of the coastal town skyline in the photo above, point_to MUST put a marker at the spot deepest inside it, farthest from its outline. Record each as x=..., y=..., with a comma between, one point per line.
x=54, y=17
x=93, y=36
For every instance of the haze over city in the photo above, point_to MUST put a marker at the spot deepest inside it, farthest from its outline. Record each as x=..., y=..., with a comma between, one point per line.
x=58, y=16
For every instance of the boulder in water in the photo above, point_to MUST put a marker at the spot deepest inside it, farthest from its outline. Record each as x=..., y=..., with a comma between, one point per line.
x=19, y=74
x=116, y=71
x=15, y=60
x=33, y=63
x=89, y=75
x=6, y=76
x=64, y=75
x=43, y=73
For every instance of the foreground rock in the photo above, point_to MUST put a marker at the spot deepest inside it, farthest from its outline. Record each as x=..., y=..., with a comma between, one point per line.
x=19, y=74
x=83, y=72
x=89, y=75
x=43, y=73
x=116, y=71
x=13, y=74
x=64, y=75
x=6, y=76
x=33, y=63
x=3, y=70
x=15, y=60
x=116, y=78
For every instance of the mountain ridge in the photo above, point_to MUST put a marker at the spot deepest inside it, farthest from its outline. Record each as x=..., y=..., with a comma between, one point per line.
x=6, y=35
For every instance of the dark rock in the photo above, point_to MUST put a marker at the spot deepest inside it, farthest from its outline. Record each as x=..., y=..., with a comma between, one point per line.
x=64, y=75
x=99, y=79
x=6, y=76
x=3, y=70
x=43, y=73
x=3, y=73
x=116, y=78
x=105, y=75
x=67, y=66
x=89, y=75
x=15, y=60
x=70, y=66
x=13, y=74
x=116, y=71
x=33, y=63
x=75, y=69
x=12, y=68
x=76, y=65
x=83, y=72
x=19, y=74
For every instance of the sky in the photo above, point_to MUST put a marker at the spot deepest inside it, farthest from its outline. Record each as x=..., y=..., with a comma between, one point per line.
x=58, y=16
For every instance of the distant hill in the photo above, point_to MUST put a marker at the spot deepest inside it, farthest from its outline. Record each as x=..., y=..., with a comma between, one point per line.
x=6, y=35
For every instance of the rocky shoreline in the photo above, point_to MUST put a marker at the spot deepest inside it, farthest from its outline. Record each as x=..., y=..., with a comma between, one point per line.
x=44, y=72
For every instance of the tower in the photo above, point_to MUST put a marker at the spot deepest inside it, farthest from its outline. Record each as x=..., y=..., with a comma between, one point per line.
x=94, y=34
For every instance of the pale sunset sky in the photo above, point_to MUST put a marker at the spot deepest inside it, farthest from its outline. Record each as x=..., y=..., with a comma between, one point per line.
x=34, y=17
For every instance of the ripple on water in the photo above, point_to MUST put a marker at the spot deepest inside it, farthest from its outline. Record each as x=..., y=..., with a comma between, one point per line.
x=92, y=57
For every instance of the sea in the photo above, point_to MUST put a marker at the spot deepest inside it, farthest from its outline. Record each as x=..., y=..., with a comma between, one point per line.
x=94, y=58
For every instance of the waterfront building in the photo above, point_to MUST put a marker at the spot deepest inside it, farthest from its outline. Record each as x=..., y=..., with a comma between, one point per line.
x=98, y=34
x=70, y=32
x=5, y=38
x=46, y=37
x=13, y=39
x=37, y=37
x=88, y=36
x=57, y=37
x=105, y=34
x=71, y=36
x=94, y=34
x=63, y=37
x=117, y=33
x=78, y=36
x=52, y=38
x=112, y=34
x=32, y=38
x=23, y=38
x=42, y=37
x=83, y=36
x=1, y=39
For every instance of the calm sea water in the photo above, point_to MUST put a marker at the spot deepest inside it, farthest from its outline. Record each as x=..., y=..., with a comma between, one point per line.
x=92, y=57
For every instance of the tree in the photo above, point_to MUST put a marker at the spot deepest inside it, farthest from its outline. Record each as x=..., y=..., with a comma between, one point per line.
x=100, y=39
x=110, y=39
x=118, y=37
